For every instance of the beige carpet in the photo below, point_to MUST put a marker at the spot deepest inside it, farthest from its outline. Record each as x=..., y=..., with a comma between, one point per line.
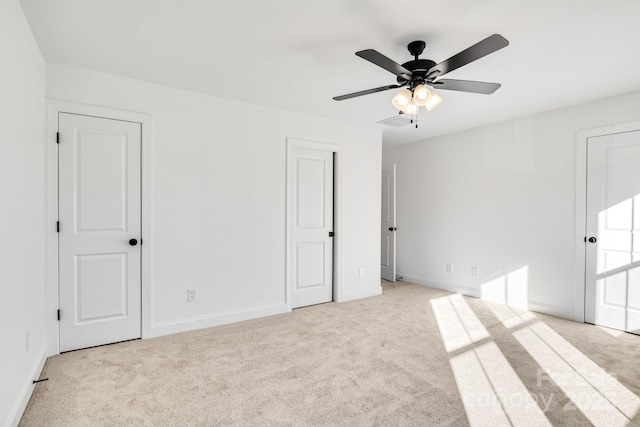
x=403, y=358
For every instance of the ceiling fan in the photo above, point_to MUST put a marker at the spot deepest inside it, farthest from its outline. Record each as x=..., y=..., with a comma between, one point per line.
x=417, y=74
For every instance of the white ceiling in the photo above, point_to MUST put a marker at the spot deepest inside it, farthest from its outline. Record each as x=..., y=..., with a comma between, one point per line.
x=297, y=55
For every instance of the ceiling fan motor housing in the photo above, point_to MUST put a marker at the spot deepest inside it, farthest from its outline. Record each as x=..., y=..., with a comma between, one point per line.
x=418, y=68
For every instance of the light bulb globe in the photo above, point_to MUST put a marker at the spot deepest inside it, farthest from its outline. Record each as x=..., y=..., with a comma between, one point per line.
x=434, y=101
x=402, y=99
x=411, y=109
x=421, y=95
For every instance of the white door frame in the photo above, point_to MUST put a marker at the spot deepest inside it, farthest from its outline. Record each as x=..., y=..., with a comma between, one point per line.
x=53, y=108
x=392, y=189
x=582, y=139
x=337, y=215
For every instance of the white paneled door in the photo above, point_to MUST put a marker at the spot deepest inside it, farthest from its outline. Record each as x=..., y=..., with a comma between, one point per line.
x=388, y=230
x=99, y=236
x=613, y=231
x=312, y=251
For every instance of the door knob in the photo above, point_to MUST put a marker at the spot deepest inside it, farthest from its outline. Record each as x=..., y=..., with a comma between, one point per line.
x=592, y=240
x=133, y=242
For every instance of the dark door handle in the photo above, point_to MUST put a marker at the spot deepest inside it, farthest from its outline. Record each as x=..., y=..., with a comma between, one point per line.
x=393, y=228
x=592, y=240
x=133, y=242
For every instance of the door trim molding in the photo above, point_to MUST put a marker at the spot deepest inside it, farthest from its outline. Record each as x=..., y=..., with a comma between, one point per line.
x=582, y=139
x=393, y=173
x=338, y=291
x=53, y=108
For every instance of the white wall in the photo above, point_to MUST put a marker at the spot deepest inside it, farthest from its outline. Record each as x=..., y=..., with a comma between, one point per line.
x=500, y=198
x=22, y=80
x=218, y=188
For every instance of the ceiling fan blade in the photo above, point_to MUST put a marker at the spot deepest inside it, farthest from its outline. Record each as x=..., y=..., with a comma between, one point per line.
x=365, y=92
x=380, y=60
x=470, y=54
x=466, y=86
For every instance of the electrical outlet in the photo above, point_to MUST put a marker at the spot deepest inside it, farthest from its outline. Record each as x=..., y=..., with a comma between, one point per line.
x=191, y=295
x=27, y=344
x=362, y=272
x=474, y=271
x=449, y=267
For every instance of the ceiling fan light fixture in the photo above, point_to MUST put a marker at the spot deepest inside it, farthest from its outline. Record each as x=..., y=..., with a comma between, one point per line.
x=402, y=99
x=421, y=95
x=433, y=101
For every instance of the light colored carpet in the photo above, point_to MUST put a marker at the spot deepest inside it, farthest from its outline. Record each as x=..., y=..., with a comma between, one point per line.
x=398, y=359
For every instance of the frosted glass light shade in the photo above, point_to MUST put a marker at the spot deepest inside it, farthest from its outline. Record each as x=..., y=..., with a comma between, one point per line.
x=411, y=108
x=421, y=95
x=433, y=101
x=402, y=99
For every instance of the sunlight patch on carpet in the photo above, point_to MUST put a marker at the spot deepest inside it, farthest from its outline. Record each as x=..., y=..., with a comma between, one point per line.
x=458, y=324
x=491, y=391
x=592, y=390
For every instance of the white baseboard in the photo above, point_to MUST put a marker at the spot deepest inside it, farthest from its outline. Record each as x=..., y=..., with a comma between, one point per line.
x=539, y=307
x=208, y=321
x=350, y=296
x=551, y=310
x=27, y=389
x=442, y=286
x=201, y=322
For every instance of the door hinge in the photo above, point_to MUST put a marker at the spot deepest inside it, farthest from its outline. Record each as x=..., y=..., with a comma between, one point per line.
x=57, y=137
x=58, y=315
x=57, y=226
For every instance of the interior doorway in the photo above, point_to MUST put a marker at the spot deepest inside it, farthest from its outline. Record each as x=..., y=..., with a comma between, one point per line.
x=99, y=230
x=55, y=311
x=388, y=226
x=312, y=200
x=612, y=237
x=314, y=223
